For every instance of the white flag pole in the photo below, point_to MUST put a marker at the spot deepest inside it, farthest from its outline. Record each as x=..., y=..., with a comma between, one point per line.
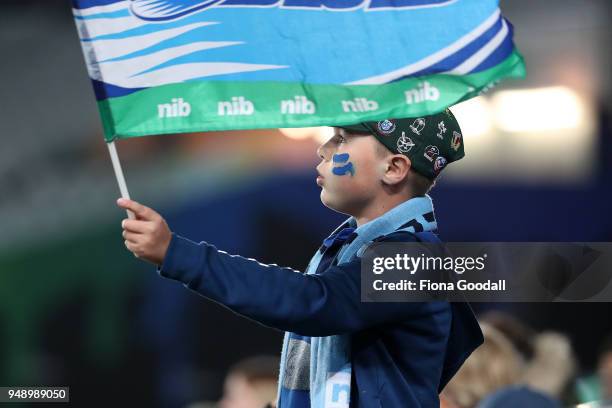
x=119, y=175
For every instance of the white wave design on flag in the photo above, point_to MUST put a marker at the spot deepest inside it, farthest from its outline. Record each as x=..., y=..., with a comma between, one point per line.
x=117, y=48
x=437, y=56
x=129, y=68
x=108, y=60
x=105, y=26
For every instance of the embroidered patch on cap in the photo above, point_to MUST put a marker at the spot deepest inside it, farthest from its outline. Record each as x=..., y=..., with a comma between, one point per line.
x=456, y=141
x=439, y=164
x=431, y=152
x=441, y=130
x=386, y=126
x=418, y=125
x=404, y=143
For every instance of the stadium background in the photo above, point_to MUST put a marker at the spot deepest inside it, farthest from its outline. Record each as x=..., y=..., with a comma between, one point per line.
x=77, y=309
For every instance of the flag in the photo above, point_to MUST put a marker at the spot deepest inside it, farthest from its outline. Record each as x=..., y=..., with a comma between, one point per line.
x=172, y=66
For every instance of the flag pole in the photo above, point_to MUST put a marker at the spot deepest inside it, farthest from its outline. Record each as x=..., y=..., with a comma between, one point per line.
x=119, y=175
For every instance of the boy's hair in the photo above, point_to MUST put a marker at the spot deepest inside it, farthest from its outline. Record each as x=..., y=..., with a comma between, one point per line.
x=421, y=185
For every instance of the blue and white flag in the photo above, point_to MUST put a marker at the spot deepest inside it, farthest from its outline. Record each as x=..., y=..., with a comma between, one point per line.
x=170, y=66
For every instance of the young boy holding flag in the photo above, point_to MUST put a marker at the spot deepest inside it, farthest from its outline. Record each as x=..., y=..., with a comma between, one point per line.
x=339, y=351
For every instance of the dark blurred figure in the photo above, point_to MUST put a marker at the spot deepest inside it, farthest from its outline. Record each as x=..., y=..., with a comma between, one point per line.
x=251, y=383
x=494, y=365
x=605, y=372
x=515, y=367
x=547, y=359
x=515, y=330
x=519, y=396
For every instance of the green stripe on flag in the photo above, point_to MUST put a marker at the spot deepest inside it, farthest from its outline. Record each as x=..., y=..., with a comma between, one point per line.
x=220, y=105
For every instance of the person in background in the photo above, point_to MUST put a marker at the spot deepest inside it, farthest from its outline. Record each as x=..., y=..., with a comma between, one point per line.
x=251, y=383
x=604, y=371
x=547, y=360
x=492, y=366
x=519, y=396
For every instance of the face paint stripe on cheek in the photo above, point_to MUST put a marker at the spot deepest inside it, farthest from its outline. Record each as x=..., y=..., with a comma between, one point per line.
x=343, y=170
x=340, y=158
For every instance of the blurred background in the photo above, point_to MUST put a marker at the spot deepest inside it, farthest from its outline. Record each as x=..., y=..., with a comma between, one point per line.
x=77, y=309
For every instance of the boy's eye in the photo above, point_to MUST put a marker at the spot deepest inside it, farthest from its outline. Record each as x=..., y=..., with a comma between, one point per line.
x=341, y=139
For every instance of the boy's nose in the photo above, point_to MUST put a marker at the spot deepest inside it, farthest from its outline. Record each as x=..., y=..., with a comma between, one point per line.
x=321, y=152
x=325, y=151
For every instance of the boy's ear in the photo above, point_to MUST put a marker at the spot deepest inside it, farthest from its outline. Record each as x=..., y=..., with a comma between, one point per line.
x=396, y=169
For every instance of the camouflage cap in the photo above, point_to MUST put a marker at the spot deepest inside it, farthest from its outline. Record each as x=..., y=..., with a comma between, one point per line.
x=430, y=142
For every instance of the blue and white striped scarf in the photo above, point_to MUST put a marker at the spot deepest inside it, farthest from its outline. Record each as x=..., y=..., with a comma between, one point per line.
x=330, y=360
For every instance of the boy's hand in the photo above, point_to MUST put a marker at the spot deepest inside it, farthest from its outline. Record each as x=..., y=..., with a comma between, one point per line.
x=148, y=236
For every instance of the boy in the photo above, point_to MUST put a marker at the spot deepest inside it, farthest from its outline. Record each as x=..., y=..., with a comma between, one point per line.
x=338, y=351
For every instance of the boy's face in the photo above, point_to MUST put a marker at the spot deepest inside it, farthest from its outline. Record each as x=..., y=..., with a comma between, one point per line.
x=350, y=171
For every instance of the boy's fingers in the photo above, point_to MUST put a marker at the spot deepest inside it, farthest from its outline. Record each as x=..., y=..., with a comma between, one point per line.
x=134, y=225
x=129, y=245
x=130, y=237
x=143, y=212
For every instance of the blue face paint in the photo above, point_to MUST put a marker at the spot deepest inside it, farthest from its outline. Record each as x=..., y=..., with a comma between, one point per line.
x=340, y=158
x=343, y=170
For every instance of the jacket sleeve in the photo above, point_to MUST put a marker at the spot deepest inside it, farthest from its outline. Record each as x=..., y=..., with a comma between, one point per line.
x=281, y=297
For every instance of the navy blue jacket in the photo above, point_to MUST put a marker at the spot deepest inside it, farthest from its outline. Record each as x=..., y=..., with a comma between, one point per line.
x=403, y=353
